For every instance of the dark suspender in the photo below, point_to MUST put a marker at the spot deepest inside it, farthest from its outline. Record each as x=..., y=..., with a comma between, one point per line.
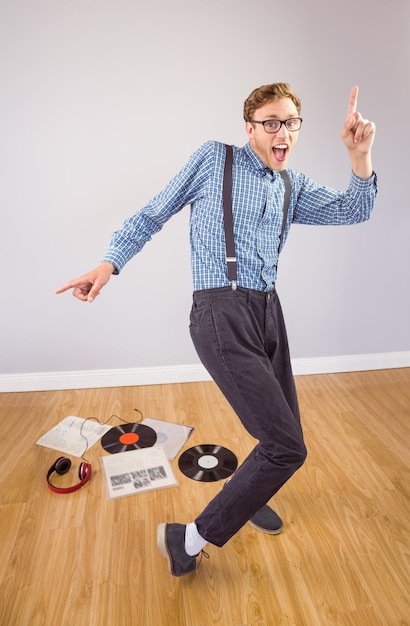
x=228, y=219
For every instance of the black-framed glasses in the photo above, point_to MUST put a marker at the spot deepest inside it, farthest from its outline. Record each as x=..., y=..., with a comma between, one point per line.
x=272, y=126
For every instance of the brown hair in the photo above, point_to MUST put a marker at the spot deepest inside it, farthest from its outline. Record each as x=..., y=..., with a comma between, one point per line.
x=266, y=93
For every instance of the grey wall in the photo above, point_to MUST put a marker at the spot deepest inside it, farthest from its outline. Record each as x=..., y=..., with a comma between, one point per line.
x=103, y=101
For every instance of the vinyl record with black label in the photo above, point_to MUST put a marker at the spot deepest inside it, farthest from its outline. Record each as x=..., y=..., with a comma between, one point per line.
x=128, y=437
x=208, y=463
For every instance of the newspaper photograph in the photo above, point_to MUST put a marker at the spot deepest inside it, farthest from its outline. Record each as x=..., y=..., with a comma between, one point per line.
x=136, y=471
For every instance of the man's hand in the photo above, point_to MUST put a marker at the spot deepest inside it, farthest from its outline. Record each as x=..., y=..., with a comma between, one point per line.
x=358, y=136
x=87, y=287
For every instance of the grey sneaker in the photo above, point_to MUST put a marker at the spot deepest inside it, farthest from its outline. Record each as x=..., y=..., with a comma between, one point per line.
x=267, y=521
x=171, y=544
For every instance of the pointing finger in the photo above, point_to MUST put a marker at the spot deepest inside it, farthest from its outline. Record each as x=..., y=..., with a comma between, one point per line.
x=351, y=109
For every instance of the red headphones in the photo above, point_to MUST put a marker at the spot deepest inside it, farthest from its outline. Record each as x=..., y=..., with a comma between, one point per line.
x=61, y=466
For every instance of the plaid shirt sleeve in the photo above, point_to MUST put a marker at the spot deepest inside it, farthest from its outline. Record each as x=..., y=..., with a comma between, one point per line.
x=317, y=204
x=138, y=229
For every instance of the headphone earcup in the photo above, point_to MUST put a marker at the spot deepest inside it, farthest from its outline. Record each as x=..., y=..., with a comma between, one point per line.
x=82, y=471
x=62, y=465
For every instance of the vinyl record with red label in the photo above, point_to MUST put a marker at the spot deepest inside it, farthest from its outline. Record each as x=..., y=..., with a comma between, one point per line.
x=128, y=437
x=208, y=463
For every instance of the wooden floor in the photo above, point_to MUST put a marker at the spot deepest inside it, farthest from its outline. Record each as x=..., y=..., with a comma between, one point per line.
x=84, y=560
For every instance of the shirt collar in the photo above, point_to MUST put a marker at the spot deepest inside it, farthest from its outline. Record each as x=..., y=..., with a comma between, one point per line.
x=255, y=162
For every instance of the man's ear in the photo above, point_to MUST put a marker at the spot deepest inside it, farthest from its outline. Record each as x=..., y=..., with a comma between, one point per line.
x=249, y=130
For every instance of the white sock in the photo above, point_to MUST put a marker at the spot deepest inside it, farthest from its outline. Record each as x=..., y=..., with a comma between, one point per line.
x=194, y=543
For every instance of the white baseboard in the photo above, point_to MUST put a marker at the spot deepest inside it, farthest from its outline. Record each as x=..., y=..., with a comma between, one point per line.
x=91, y=379
x=351, y=363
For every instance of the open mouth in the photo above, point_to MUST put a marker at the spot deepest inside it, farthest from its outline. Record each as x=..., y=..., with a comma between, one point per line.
x=280, y=151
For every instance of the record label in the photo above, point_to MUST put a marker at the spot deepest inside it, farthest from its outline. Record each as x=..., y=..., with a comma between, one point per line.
x=128, y=437
x=208, y=463
x=161, y=437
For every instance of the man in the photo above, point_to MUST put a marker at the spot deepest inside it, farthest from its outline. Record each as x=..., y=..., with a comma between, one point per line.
x=236, y=324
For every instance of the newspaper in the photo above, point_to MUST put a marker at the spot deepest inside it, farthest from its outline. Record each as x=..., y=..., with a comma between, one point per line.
x=73, y=435
x=136, y=471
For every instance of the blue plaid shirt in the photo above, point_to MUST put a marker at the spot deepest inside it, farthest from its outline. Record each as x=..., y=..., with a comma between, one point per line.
x=257, y=199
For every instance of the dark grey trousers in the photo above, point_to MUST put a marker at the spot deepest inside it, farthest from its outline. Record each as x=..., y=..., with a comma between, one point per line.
x=241, y=339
